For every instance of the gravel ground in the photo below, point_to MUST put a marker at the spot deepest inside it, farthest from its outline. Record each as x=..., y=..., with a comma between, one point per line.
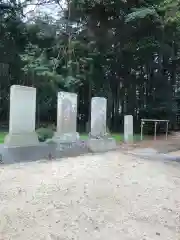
x=108, y=196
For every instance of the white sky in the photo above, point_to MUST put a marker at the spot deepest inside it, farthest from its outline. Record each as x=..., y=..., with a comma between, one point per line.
x=50, y=9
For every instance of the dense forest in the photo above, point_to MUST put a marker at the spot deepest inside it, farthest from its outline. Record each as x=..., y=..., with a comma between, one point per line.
x=125, y=50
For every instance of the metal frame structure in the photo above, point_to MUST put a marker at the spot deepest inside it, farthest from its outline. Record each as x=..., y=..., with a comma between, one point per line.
x=155, y=126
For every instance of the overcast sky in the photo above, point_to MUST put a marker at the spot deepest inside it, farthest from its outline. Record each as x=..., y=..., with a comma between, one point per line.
x=50, y=9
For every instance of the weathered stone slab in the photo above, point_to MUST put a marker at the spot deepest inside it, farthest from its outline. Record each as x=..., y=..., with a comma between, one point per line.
x=99, y=140
x=128, y=128
x=102, y=144
x=72, y=149
x=66, y=118
x=66, y=137
x=22, y=117
x=98, y=116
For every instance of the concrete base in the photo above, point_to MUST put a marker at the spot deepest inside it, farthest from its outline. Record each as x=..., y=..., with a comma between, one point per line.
x=129, y=139
x=66, y=137
x=42, y=151
x=21, y=140
x=73, y=148
x=101, y=144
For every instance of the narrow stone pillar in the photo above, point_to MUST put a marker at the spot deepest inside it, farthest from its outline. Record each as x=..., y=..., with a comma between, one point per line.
x=66, y=118
x=99, y=140
x=128, y=128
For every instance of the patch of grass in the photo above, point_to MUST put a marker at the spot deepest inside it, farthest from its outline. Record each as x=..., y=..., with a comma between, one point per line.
x=2, y=136
x=83, y=136
x=119, y=137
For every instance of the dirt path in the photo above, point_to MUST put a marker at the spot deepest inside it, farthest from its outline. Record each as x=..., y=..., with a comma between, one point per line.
x=161, y=144
x=108, y=196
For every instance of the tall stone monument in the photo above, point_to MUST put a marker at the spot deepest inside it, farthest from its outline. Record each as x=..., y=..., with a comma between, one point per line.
x=99, y=140
x=22, y=117
x=66, y=118
x=98, y=117
x=128, y=128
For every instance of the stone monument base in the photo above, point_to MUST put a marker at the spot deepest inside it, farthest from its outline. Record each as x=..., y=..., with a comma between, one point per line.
x=129, y=139
x=42, y=151
x=66, y=137
x=21, y=140
x=101, y=144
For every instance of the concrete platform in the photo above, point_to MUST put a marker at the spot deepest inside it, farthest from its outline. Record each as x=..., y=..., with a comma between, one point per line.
x=41, y=151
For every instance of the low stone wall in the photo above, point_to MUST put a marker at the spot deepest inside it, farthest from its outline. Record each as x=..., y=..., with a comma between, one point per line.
x=41, y=151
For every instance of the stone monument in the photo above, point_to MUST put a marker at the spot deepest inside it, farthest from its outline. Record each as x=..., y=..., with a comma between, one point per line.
x=99, y=140
x=22, y=117
x=128, y=128
x=66, y=118
x=98, y=117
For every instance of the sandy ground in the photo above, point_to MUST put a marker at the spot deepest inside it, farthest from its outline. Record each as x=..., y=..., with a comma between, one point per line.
x=109, y=197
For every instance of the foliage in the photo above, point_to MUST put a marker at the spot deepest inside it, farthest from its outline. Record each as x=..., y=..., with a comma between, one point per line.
x=127, y=51
x=44, y=134
x=141, y=14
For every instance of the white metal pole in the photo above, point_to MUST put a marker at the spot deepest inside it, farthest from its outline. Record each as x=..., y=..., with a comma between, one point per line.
x=167, y=125
x=155, y=127
x=142, y=123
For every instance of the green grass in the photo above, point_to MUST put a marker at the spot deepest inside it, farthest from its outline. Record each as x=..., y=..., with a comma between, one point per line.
x=2, y=136
x=118, y=137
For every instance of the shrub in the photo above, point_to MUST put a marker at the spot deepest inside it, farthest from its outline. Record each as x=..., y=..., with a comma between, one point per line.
x=44, y=134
